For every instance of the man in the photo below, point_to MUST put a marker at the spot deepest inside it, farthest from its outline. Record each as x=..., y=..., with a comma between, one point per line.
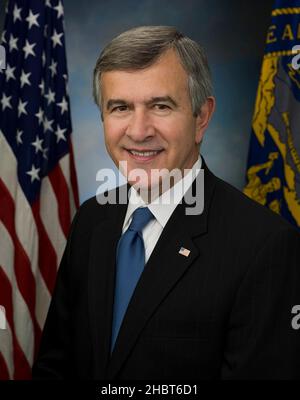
x=148, y=290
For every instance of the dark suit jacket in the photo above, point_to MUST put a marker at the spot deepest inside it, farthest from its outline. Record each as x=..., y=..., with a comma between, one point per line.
x=223, y=312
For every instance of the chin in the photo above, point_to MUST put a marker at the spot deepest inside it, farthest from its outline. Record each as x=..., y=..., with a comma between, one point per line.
x=143, y=183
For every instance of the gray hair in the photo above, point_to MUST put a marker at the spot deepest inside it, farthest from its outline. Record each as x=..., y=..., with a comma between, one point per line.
x=140, y=47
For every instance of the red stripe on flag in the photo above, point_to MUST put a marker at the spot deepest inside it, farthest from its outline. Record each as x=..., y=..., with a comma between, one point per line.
x=61, y=192
x=23, y=273
x=47, y=255
x=22, y=369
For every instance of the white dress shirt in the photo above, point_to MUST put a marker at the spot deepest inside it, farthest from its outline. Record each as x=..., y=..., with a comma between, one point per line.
x=162, y=208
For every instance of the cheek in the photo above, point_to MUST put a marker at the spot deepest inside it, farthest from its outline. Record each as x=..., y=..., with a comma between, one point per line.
x=112, y=133
x=178, y=129
x=171, y=132
x=179, y=138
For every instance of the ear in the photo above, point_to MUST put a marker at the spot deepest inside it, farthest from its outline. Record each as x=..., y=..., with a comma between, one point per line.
x=203, y=118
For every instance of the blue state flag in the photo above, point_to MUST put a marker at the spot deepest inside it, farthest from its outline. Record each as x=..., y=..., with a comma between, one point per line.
x=273, y=170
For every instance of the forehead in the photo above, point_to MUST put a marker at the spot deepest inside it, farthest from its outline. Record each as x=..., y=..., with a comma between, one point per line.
x=166, y=75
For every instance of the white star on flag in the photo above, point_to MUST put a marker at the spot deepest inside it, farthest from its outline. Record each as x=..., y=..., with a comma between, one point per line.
x=50, y=96
x=9, y=72
x=17, y=13
x=60, y=134
x=13, y=43
x=25, y=78
x=47, y=125
x=40, y=115
x=21, y=108
x=59, y=9
x=32, y=19
x=34, y=173
x=28, y=49
x=63, y=105
x=53, y=67
x=37, y=144
x=56, y=38
x=5, y=101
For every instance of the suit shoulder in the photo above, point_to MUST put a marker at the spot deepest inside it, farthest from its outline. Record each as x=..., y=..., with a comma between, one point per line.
x=99, y=206
x=247, y=213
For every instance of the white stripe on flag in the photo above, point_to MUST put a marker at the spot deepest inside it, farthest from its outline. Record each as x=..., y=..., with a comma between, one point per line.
x=50, y=217
x=42, y=300
x=64, y=163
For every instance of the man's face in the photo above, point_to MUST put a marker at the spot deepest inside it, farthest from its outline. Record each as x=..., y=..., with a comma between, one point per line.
x=149, y=110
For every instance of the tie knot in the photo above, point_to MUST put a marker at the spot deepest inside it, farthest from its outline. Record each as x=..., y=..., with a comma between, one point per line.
x=140, y=218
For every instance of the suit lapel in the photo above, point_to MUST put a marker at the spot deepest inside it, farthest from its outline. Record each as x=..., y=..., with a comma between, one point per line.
x=164, y=269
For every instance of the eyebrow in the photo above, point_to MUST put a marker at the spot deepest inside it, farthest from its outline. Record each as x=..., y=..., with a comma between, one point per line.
x=114, y=102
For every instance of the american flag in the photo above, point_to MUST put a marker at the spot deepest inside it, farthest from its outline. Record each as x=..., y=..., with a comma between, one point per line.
x=38, y=189
x=184, y=252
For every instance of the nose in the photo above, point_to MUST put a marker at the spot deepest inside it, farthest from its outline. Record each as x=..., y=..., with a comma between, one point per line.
x=140, y=128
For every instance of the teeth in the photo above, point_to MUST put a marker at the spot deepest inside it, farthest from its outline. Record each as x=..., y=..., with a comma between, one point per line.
x=143, y=153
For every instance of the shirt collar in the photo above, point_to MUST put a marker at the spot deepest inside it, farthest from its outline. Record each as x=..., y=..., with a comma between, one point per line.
x=163, y=207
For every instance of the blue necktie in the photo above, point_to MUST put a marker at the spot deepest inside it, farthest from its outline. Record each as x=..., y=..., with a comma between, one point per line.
x=129, y=266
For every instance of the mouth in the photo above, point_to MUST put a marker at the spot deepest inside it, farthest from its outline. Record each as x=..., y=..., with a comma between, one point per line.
x=144, y=155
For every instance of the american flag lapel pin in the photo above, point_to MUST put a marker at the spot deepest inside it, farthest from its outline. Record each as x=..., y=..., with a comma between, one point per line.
x=184, y=252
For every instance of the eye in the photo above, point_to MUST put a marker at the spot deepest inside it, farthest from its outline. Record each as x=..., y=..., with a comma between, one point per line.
x=161, y=107
x=120, y=108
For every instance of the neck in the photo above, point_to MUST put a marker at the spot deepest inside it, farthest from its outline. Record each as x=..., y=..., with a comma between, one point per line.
x=149, y=194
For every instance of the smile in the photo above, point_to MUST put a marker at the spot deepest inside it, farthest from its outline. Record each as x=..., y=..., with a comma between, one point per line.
x=144, y=155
